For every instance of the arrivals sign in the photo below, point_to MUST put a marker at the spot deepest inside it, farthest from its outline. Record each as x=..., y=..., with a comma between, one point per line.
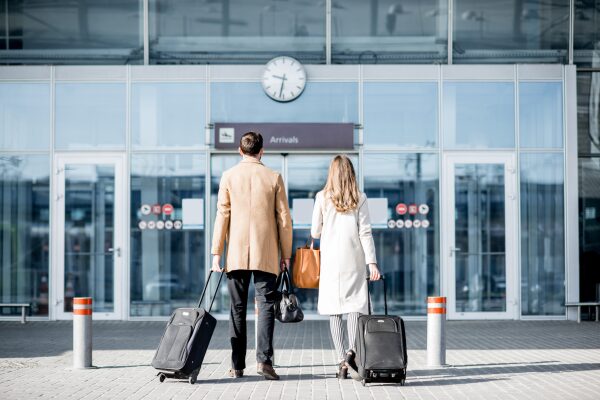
x=288, y=136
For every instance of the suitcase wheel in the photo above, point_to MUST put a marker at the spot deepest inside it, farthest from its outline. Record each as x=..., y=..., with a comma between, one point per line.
x=193, y=376
x=161, y=377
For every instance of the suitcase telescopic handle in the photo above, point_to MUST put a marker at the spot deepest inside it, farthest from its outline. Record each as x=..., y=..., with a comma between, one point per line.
x=204, y=291
x=384, y=295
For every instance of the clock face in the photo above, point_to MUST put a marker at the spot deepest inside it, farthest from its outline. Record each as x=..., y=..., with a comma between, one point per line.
x=284, y=79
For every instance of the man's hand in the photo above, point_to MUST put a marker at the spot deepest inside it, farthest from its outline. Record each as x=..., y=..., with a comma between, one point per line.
x=284, y=264
x=216, y=263
x=374, y=273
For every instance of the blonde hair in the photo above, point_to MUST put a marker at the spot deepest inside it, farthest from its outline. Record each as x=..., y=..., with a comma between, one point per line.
x=341, y=185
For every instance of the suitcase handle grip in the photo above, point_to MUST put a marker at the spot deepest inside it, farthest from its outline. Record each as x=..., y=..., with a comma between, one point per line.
x=204, y=291
x=384, y=295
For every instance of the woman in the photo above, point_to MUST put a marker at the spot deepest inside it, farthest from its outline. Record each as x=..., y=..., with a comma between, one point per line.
x=341, y=220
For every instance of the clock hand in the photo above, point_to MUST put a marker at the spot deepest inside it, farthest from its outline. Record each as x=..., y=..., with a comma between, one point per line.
x=283, y=79
x=280, y=77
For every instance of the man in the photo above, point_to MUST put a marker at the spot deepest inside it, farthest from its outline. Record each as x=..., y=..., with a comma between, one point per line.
x=253, y=215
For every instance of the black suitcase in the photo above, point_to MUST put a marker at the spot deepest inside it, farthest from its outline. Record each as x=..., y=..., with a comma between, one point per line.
x=183, y=345
x=381, y=346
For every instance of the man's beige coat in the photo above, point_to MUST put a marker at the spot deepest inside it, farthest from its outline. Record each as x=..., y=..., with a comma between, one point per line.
x=253, y=216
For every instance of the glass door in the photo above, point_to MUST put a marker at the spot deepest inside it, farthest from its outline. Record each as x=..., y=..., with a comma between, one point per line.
x=480, y=235
x=89, y=236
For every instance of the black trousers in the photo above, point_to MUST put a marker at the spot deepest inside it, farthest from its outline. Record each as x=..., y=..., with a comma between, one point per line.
x=265, y=285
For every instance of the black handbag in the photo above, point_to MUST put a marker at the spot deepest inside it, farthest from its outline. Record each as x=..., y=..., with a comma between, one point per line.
x=287, y=308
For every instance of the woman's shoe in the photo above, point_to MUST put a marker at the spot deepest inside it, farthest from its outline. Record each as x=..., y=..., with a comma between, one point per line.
x=351, y=366
x=342, y=370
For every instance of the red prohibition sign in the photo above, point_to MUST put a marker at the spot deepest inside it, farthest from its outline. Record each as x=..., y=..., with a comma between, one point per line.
x=413, y=209
x=401, y=208
x=167, y=209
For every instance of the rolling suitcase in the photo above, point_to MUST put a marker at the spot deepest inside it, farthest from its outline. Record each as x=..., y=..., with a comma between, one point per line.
x=381, y=346
x=183, y=345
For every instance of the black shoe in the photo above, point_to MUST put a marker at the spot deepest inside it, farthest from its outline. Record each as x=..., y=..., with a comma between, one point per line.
x=351, y=365
x=236, y=373
x=342, y=370
x=267, y=371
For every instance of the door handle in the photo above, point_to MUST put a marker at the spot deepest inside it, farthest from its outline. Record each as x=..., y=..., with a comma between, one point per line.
x=117, y=251
x=453, y=250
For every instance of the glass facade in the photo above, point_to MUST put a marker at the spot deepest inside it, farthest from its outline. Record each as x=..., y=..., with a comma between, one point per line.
x=469, y=109
x=409, y=257
x=252, y=32
x=90, y=116
x=71, y=32
x=510, y=31
x=25, y=232
x=167, y=255
x=235, y=31
x=407, y=118
x=414, y=31
x=542, y=234
x=588, y=129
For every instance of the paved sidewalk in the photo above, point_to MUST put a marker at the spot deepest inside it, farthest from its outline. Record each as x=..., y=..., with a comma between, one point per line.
x=491, y=360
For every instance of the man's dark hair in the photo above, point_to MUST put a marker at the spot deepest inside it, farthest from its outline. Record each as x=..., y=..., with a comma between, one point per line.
x=251, y=143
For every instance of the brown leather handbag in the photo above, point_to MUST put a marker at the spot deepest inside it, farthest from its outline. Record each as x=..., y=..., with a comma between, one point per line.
x=307, y=267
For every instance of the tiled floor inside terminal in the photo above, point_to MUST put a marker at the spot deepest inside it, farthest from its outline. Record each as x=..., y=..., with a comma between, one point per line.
x=487, y=359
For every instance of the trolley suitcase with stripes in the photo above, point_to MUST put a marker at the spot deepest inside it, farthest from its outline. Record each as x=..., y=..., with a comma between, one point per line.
x=381, y=346
x=186, y=338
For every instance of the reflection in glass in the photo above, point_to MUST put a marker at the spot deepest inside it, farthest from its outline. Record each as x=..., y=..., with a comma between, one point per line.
x=478, y=115
x=24, y=232
x=409, y=257
x=71, y=32
x=219, y=164
x=588, y=113
x=586, y=35
x=167, y=265
x=400, y=114
x=236, y=31
x=89, y=235
x=386, y=32
x=542, y=234
x=511, y=31
x=25, y=116
x=320, y=102
x=540, y=114
x=306, y=175
x=90, y=115
x=589, y=229
x=167, y=115
x=480, y=237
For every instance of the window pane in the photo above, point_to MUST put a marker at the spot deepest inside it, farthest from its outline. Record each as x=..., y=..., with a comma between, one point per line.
x=400, y=114
x=320, y=102
x=586, y=40
x=589, y=229
x=588, y=112
x=413, y=31
x=90, y=115
x=24, y=232
x=236, y=31
x=408, y=256
x=25, y=116
x=540, y=114
x=478, y=115
x=167, y=259
x=72, y=32
x=542, y=234
x=168, y=114
x=511, y=31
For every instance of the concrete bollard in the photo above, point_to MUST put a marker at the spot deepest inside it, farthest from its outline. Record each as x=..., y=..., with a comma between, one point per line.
x=82, y=332
x=436, y=331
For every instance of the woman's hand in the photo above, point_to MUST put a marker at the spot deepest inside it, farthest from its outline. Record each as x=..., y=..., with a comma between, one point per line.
x=374, y=273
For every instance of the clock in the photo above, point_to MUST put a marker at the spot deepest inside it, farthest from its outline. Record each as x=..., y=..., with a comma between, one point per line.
x=284, y=79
